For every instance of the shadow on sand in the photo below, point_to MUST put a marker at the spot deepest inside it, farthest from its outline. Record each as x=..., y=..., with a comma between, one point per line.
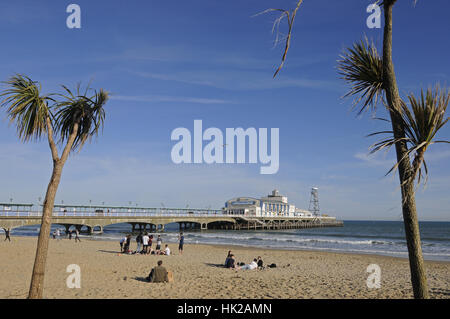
x=438, y=291
x=141, y=279
x=215, y=265
x=109, y=251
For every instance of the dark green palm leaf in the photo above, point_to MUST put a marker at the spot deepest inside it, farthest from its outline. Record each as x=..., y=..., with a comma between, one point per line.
x=362, y=68
x=26, y=107
x=86, y=112
x=421, y=121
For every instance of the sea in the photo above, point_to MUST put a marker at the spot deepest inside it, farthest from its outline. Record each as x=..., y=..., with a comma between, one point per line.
x=362, y=237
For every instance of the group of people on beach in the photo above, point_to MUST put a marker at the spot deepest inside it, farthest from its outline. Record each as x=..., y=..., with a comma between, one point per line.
x=56, y=234
x=144, y=243
x=231, y=263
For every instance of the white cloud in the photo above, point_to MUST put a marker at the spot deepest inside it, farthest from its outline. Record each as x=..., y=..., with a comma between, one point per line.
x=378, y=159
x=239, y=80
x=180, y=99
x=435, y=156
x=118, y=177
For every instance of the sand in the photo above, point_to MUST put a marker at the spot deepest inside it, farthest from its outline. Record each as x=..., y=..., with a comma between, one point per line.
x=299, y=274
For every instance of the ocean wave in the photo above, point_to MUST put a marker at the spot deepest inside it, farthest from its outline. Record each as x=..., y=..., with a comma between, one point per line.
x=335, y=241
x=289, y=239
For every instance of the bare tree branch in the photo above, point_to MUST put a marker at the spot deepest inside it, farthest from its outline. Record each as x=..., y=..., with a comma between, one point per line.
x=290, y=15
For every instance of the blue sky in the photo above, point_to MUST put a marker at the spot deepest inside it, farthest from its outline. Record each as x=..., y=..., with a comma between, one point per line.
x=168, y=63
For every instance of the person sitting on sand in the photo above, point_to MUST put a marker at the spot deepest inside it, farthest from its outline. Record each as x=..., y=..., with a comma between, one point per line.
x=166, y=251
x=158, y=274
x=228, y=258
x=231, y=262
x=251, y=266
x=260, y=263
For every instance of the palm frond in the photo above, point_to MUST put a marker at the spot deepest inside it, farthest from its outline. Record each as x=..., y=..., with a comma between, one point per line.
x=84, y=111
x=362, y=68
x=26, y=106
x=421, y=122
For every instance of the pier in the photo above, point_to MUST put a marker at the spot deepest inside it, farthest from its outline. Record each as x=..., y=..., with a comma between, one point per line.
x=95, y=218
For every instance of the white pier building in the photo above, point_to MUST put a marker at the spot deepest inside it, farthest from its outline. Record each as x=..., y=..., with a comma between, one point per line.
x=272, y=205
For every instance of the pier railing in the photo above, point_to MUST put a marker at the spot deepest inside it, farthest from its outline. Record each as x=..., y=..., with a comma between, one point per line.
x=29, y=210
x=105, y=214
x=162, y=213
x=93, y=217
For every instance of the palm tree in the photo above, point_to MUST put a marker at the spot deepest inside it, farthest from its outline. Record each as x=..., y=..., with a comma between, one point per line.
x=414, y=128
x=372, y=79
x=73, y=119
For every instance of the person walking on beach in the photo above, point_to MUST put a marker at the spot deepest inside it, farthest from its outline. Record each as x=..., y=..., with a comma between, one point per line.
x=180, y=243
x=76, y=235
x=139, y=242
x=69, y=233
x=58, y=234
x=54, y=234
x=7, y=234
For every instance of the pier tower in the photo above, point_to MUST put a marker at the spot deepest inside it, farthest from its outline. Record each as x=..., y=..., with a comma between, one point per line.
x=314, y=202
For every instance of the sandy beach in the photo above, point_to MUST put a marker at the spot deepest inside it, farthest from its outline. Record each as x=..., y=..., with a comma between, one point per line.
x=105, y=273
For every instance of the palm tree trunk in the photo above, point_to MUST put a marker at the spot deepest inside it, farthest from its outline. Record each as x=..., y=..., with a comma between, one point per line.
x=37, y=279
x=417, y=268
